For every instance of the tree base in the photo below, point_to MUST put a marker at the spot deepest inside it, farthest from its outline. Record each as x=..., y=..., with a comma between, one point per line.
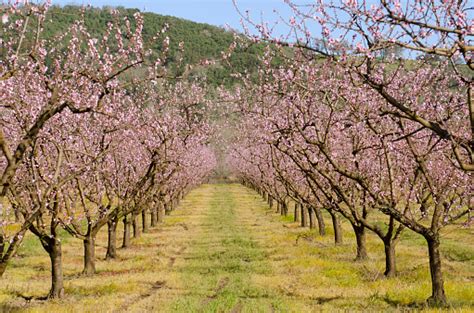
x=56, y=294
x=437, y=302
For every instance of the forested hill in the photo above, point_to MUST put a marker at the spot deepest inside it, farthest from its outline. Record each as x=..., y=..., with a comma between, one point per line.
x=201, y=41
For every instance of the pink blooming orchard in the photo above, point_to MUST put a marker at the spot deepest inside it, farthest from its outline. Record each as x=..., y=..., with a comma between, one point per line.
x=371, y=119
x=350, y=125
x=320, y=139
x=81, y=148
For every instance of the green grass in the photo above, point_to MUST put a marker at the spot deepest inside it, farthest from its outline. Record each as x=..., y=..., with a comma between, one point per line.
x=223, y=259
x=223, y=250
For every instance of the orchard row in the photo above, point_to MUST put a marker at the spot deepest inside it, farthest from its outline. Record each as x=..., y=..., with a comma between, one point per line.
x=91, y=134
x=372, y=121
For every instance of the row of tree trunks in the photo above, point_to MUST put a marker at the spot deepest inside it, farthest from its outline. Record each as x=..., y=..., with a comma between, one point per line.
x=52, y=245
x=131, y=223
x=282, y=208
x=308, y=216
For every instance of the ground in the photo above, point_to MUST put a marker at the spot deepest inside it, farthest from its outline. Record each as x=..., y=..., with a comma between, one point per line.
x=223, y=250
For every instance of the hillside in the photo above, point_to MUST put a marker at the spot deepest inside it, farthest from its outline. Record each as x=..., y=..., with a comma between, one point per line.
x=201, y=41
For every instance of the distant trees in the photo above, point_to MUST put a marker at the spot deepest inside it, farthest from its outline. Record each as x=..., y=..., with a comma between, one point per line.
x=201, y=41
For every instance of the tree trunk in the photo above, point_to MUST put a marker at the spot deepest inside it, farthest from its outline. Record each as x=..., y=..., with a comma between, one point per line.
x=154, y=216
x=361, y=242
x=112, y=239
x=144, y=221
x=390, y=264
x=126, y=232
x=297, y=213
x=89, y=256
x=337, y=228
x=278, y=208
x=57, y=282
x=304, y=216
x=321, y=225
x=312, y=219
x=136, y=226
x=161, y=213
x=438, y=296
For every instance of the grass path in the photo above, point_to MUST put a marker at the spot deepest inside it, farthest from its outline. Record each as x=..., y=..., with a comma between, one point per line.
x=237, y=256
x=223, y=250
x=223, y=258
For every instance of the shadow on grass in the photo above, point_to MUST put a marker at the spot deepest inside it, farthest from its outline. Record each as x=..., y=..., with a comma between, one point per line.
x=323, y=300
x=28, y=299
x=399, y=304
x=17, y=306
x=420, y=305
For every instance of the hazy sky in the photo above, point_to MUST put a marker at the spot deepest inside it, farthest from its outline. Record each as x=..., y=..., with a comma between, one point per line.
x=216, y=12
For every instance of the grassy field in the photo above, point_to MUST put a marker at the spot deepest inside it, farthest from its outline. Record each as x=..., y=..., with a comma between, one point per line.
x=224, y=251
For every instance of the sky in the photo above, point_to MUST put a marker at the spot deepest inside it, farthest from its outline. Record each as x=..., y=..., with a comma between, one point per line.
x=215, y=12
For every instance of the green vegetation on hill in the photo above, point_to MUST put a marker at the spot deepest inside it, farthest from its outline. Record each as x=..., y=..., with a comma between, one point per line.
x=201, y=41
